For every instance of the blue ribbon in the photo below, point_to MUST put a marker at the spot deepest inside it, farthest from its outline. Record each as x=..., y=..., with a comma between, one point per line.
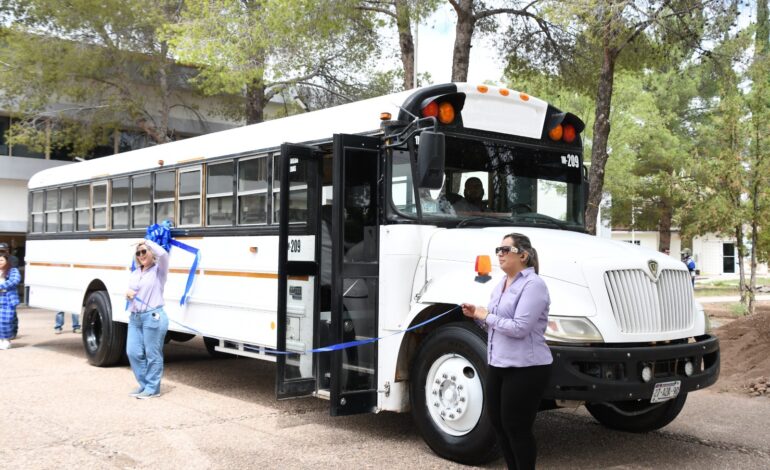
x=161, y=234
x=333, y=347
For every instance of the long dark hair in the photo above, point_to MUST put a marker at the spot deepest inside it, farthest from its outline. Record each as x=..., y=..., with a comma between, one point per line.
x=8, y=266
x=524, y=245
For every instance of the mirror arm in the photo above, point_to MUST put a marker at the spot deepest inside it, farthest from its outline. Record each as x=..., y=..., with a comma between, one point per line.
x=401, y=138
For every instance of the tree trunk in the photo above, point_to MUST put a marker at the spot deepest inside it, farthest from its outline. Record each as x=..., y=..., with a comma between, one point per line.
x=466, y=23
x=664, y=228
x=255, y=102
x=405, y=42
x=601, y=135
x=741, y=269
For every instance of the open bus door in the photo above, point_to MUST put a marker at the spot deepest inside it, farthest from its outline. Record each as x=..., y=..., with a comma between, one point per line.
x=298, y=269
x=355, y=272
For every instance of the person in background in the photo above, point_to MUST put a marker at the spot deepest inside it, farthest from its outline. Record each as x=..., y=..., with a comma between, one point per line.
x=690, y=263
x=667, y=252
x=60, y=323
x=519, y=358
x=148, y=322
x=9, y=299
x=4, y=250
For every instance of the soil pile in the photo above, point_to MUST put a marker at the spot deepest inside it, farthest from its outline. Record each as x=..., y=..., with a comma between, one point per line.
x=745, y=352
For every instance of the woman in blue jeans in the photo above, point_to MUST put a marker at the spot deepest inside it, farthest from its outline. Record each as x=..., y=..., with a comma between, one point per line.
x=148, y=323
x=519, y=358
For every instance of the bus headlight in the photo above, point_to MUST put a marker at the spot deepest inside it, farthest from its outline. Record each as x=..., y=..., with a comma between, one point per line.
x=572, y=329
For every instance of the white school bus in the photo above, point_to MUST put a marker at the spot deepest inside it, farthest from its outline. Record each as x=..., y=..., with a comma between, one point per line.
x=352, y=223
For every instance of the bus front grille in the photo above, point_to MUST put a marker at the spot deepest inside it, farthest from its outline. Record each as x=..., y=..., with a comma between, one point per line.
x=641, y=305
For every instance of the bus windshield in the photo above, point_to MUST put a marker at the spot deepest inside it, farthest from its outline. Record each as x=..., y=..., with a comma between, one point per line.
x=493, y=182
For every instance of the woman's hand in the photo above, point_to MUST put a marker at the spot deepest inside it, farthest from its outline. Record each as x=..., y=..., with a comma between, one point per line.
x=474, y=311
x=130, y=294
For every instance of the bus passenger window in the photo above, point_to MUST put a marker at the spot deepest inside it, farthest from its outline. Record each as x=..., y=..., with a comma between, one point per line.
x=51, y=210
x=189, y=197
x=164, y=192
x=37, y=212
x=66, y=206
x=140, y=201
x=99, y=209
x=119, y=204
x=252, y=191
x=82, y=207
x=219, y=194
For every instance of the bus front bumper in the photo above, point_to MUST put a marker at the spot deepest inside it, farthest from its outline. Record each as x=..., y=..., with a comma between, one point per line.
x=614, y=373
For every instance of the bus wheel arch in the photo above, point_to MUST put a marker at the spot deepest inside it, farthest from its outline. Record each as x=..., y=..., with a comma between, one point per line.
x=447, y=379
x=412, y=340
x=104, y=340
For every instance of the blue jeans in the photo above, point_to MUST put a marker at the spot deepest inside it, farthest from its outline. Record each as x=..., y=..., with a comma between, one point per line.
x=60, y=321
x=144, y=347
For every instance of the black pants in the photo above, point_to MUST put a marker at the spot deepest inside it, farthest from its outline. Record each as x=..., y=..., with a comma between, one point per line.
x=513, y=398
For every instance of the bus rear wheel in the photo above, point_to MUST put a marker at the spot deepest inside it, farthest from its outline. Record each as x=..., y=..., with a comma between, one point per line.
x=447, y=395
x=637, y=416
x=104, y=340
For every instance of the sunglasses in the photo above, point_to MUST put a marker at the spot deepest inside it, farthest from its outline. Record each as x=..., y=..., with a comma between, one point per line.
x=505, y=250
x=140, y=253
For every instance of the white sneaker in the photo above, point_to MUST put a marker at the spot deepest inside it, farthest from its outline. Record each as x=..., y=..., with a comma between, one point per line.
x=5, y=344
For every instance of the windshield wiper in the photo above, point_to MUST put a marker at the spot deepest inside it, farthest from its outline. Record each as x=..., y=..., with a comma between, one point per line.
x=465, y=222
x=536, y=216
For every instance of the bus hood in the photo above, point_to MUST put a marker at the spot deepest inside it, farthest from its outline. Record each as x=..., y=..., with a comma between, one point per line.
x=563, y=255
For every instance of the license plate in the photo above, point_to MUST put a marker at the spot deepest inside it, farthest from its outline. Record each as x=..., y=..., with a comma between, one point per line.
x=665, y=391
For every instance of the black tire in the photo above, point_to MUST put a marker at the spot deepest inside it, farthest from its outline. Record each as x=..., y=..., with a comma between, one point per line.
x=103, y=339
x=630, y=416
x=472, y=442
x=211, y=343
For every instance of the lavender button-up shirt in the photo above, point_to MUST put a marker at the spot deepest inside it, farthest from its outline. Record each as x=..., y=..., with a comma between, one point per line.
x=516, y=322
x=148, y=284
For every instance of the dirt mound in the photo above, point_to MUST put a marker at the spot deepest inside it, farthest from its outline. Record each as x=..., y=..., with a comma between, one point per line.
x=745, y=351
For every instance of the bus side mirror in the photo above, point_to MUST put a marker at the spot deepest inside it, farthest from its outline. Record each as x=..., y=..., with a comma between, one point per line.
x=430, y=160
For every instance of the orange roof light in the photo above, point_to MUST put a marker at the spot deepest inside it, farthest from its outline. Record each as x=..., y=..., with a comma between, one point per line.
x=431, y=109
x=504, y=91
x=569, y=133
x=482, y=88
x=524, y=96
x=556, y=133
x=446, y=113
x=483, y=265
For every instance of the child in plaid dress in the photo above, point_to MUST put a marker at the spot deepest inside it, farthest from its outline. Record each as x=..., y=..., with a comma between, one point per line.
x=9, y=299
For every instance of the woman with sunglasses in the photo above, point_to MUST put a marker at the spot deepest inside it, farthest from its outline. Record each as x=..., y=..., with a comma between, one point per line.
x=519, y=358
x=147, y=323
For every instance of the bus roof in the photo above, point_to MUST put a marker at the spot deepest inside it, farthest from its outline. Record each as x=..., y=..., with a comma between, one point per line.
x=486, y=108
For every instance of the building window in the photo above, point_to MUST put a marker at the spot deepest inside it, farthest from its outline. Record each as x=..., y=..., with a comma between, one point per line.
x=51, y=210
x=140, y=201
x=66, y=205
x=219, y=194
x=190, y=197
x=82, y=207
x=252, y=191
x=164, y=196
x=119, y=204
x=37, y=212
x=728, y=257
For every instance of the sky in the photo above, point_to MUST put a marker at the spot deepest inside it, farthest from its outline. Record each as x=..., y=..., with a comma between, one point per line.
x=435, y=40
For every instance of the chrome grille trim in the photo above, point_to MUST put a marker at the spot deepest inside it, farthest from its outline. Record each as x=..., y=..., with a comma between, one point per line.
x=640, y=305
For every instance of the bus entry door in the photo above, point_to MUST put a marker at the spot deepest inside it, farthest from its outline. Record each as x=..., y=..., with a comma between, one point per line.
x=298, y=269
x=355, y=273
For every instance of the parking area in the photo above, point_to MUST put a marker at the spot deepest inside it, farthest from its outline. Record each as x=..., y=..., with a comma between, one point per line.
x=59, y=412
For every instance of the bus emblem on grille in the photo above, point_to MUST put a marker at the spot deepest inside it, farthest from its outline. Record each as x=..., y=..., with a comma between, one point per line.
x=653, y=265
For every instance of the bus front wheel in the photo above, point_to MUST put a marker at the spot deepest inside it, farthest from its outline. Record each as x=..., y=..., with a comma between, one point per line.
x=447, y=395
x=104, y=340
x=637, y=416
